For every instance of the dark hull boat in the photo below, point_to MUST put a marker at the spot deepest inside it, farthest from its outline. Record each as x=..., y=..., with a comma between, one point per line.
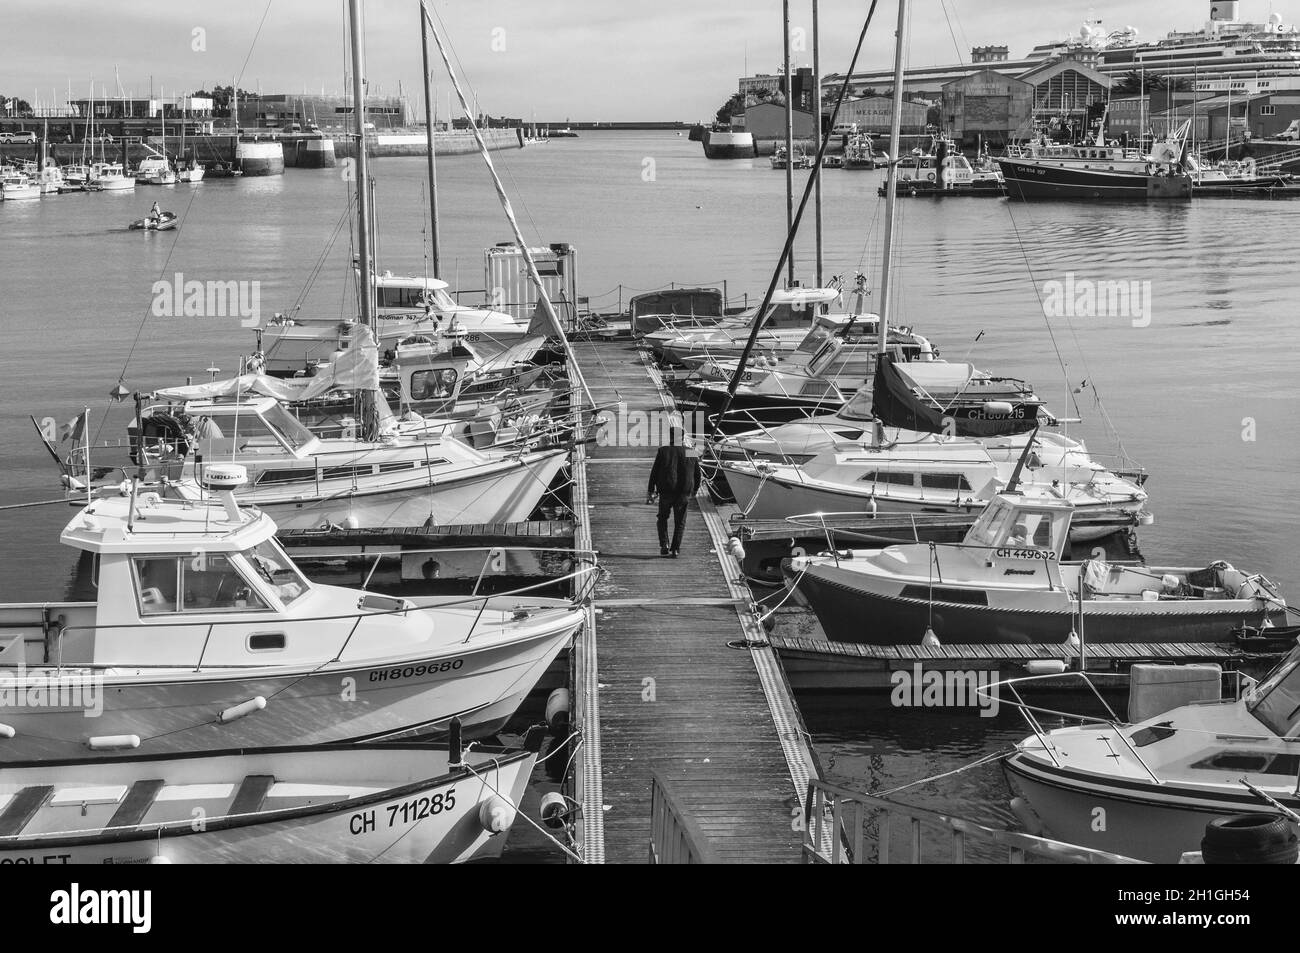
x=1006, y=584
x=749, y=410
x=957, y=400
x=1032, y=180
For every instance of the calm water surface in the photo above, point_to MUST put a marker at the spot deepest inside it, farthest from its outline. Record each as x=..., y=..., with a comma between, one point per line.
x=646, y=209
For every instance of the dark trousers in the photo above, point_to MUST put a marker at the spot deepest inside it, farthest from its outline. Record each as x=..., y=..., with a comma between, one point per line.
x=677, y=506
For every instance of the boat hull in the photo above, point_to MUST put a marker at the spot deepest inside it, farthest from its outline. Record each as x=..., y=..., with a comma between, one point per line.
x=505, y=493
x=1156, y=823
x=1031, y=181
x=776, y=499
x=177, y=710
x=749, y=410
x=852, y=611
x=430, y=821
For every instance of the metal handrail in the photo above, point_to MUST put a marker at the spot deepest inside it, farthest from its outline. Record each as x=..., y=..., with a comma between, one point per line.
x=675, y=837
x=847, y=813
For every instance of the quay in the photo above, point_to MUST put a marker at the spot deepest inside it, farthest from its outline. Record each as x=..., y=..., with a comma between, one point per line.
x=683, y=708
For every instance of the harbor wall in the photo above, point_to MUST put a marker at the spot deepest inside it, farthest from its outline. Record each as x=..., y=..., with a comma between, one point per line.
x=299, y=151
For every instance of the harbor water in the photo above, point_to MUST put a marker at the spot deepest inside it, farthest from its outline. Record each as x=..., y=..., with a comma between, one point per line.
x=1196, y=378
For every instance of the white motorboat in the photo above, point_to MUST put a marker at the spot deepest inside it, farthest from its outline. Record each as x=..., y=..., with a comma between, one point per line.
x=1005, y=583
x=308, y=482
x=205, y=636
x=369, y=803
x=189, y=171
x=155, y=170
x=919, y=473
x=16, y=187
x=406, y=306
x=110, y=177
x=50, y=180
x=791, y=315
x=1149, y=784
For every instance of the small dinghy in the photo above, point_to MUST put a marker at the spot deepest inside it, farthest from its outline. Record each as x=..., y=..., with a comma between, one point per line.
x=162, y=223
x=313, y=804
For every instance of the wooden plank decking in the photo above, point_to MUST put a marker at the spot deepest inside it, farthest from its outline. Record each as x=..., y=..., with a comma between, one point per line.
x=669, y=693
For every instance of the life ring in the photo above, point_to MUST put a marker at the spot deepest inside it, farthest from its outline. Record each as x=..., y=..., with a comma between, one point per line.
x=930, y=177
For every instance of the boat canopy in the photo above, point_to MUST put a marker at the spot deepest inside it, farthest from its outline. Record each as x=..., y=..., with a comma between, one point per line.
x=1011, y=523
x=164, y=526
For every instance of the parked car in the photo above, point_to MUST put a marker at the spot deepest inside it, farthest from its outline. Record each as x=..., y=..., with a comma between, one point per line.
x=17, y=136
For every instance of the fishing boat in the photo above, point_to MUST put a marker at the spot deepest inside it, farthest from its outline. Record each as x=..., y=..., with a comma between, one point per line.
x=162, y=222
x=1159, y=779
x=366, y=803
x=15, y=187
x=204, y=635
x=945, y=168
x=860, y=152
x=801, y=158
x=1005, y=583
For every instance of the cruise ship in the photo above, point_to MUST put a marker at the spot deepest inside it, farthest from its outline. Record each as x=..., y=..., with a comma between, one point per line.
x=1226, y=54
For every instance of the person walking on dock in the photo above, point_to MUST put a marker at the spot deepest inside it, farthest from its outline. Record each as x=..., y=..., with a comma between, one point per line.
x=673, y=479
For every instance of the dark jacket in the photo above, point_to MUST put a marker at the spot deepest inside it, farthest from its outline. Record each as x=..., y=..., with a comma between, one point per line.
x=675, y=474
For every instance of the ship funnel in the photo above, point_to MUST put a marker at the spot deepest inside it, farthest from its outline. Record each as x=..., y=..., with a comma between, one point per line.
x=1225, y=10
x=223, y=478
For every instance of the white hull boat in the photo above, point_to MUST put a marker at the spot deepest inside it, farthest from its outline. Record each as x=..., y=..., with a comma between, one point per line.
x=206, y=636
x=1149, y=788
x=319, y=805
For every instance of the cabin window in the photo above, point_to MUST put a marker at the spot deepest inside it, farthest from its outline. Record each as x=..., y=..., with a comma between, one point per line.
x=202, y=582
x=883, y=476
x=272, y=477
x=1032, y=530
x=401, y=297
x=944, y=481
x=992, y=525
x=433, y=384
x=1277, y=699
x=278, y=571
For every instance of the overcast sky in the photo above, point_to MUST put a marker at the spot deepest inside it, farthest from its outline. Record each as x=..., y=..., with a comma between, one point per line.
x=580, y=59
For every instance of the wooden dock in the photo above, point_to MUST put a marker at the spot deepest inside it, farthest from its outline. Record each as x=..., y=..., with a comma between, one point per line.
x=665, y=678
x=816, y=664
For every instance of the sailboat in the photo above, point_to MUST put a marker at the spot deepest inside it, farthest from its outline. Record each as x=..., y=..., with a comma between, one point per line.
x=187, y=167
x=902, y=472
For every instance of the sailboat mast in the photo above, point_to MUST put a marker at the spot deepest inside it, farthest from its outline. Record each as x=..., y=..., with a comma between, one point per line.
x=428, y=125
x=789, y=133
x=817, y=119
x=891, y=181
x=363, y=177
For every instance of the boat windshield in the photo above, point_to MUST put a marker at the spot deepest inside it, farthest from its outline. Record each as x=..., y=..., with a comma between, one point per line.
x=1276, y=702
x=271, y=563
x=859, y=406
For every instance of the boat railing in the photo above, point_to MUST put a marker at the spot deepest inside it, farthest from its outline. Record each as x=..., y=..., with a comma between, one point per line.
x=675, y=837
x=1033, y=713
x=841, y=826
x=587, y=575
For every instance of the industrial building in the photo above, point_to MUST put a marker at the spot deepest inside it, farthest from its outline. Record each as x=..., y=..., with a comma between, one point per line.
x=988, y=108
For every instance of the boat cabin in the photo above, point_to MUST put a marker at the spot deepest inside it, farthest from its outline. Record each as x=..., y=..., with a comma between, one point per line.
x=1275, y=702
x=1010, y=525
x=247, y=428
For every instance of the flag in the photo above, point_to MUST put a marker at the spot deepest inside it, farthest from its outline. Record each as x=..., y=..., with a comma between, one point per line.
x=75, y=428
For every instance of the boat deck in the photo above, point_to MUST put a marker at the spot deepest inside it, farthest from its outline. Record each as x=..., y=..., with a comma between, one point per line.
x=659, y=687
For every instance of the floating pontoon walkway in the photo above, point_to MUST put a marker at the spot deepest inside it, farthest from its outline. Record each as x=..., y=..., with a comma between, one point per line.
x=658, y=687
